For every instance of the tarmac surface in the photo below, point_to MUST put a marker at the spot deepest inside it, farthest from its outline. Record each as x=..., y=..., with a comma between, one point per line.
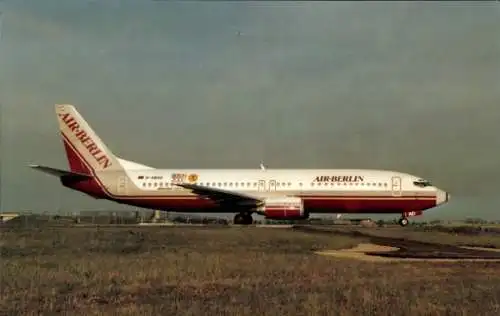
x=398, y=249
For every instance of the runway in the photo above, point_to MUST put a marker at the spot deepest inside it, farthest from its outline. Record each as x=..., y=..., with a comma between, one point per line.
x=387, y=249
x=377, y=253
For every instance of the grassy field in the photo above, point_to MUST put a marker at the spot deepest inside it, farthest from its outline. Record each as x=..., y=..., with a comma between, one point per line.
x=225, y=271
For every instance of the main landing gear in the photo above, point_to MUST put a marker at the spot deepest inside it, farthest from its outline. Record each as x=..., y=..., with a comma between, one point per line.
x=243, y=219
x=403, y=221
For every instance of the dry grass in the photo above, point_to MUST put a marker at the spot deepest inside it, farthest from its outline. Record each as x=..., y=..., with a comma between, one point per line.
x=225, y=271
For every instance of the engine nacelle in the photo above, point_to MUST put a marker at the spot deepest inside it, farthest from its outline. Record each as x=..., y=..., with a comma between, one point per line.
x=283, y=208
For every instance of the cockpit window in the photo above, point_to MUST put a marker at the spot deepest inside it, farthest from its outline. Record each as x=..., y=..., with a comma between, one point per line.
x=422, y=183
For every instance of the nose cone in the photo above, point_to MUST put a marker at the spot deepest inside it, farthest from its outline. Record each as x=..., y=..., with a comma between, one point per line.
x=442, y=197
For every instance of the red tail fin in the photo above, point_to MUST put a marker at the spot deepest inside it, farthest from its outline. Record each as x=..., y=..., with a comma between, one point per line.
x=85, y=151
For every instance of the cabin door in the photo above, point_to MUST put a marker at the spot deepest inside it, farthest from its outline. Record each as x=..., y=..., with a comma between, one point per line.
x=262, y=186
x=272, y=185
x=396, y=186
x=122, y=185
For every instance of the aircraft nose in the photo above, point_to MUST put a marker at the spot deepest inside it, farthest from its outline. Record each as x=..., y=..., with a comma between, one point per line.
x=442, y=197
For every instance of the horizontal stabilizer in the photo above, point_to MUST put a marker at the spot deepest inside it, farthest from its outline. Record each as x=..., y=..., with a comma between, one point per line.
x=59, y=172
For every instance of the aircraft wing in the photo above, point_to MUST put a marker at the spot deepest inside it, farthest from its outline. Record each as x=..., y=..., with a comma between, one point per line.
x=222, y=196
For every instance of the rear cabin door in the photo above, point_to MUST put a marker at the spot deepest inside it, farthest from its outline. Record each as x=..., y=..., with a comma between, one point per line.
x=122, y=185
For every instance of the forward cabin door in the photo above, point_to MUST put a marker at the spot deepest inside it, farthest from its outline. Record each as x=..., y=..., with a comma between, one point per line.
x=396, y=186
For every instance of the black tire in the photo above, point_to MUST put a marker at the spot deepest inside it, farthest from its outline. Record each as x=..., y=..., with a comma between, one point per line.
x=248, y=219
x=243, y=219
x=403, y=222
x=239, y=219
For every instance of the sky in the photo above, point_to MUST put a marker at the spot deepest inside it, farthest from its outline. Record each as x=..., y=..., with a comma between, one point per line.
x=406, y=86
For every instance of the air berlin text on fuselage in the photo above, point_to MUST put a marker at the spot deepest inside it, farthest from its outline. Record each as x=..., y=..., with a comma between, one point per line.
x=86, y=141
x=339, y=179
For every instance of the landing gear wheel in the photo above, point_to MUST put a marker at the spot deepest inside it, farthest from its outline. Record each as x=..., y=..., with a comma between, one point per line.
x=238, y=219
x=403, y=221
x=248, y=219
x=243, y=219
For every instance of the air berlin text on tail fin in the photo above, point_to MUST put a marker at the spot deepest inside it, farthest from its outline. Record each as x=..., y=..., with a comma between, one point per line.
x=102, y=159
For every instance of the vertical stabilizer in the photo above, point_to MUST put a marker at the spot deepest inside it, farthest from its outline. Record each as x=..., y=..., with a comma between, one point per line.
x=85, y=151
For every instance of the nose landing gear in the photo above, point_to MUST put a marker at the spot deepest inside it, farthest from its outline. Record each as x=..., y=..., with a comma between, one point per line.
x=403, y=221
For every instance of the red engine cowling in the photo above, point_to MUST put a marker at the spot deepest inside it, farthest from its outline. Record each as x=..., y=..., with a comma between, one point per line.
x=283, y=208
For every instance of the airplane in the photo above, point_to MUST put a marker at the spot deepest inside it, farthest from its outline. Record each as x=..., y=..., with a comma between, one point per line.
x=283, y=194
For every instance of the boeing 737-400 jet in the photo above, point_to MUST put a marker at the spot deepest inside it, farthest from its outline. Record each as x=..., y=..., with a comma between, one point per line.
x=274, y=193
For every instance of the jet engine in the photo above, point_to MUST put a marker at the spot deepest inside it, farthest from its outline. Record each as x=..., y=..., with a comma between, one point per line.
x=283, y=208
